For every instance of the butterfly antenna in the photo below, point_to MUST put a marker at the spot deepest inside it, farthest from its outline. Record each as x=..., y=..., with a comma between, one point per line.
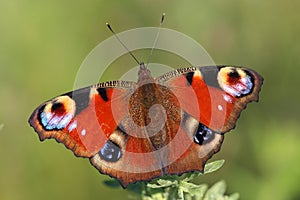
x=110, y=28
x=156, y=38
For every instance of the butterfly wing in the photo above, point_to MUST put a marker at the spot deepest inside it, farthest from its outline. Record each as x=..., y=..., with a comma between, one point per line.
x=211, y=99
x=83, y=119
x=89, y=122
x=214, y=95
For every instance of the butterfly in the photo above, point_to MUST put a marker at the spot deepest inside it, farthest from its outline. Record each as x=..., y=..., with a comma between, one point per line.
x=136, y=131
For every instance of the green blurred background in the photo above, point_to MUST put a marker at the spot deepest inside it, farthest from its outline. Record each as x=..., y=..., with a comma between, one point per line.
x=43, y=43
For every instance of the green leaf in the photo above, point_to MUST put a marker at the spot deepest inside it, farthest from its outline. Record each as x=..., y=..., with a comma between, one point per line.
x=209, y=168
x=156, y=196
x=193, y=189
x=166, y=183
x=213, y=166
x=180, y=193
x=234, y=196
x=160, y=183
x=216, y=191
x=190, y=176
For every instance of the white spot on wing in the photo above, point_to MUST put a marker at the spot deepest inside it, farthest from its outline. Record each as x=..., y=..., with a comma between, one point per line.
x=227, y=98
x=83, y=132
x=72, y=126
x=119, y=154
x=220, y=107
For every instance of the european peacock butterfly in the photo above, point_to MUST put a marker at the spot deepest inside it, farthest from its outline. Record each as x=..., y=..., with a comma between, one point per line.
x=136, y=131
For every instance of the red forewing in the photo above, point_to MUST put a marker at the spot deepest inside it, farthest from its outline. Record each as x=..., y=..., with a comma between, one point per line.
x=82, y=119
x=201, y=91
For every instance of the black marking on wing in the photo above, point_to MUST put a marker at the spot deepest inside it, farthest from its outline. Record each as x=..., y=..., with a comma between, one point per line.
x=189, y=77
x=103, y=93
x=203, y=135
x=56, y=105
x=81, y=98
x=39, y=118
x=210, y=74
x=234, y=74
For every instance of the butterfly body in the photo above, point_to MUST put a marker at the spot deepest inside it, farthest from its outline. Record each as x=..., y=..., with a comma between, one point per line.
x=136, y=131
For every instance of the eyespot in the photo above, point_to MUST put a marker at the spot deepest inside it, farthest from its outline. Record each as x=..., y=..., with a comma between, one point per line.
x=57, y=114
x=235, y=81
x=203, y=135
x=110, y=152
